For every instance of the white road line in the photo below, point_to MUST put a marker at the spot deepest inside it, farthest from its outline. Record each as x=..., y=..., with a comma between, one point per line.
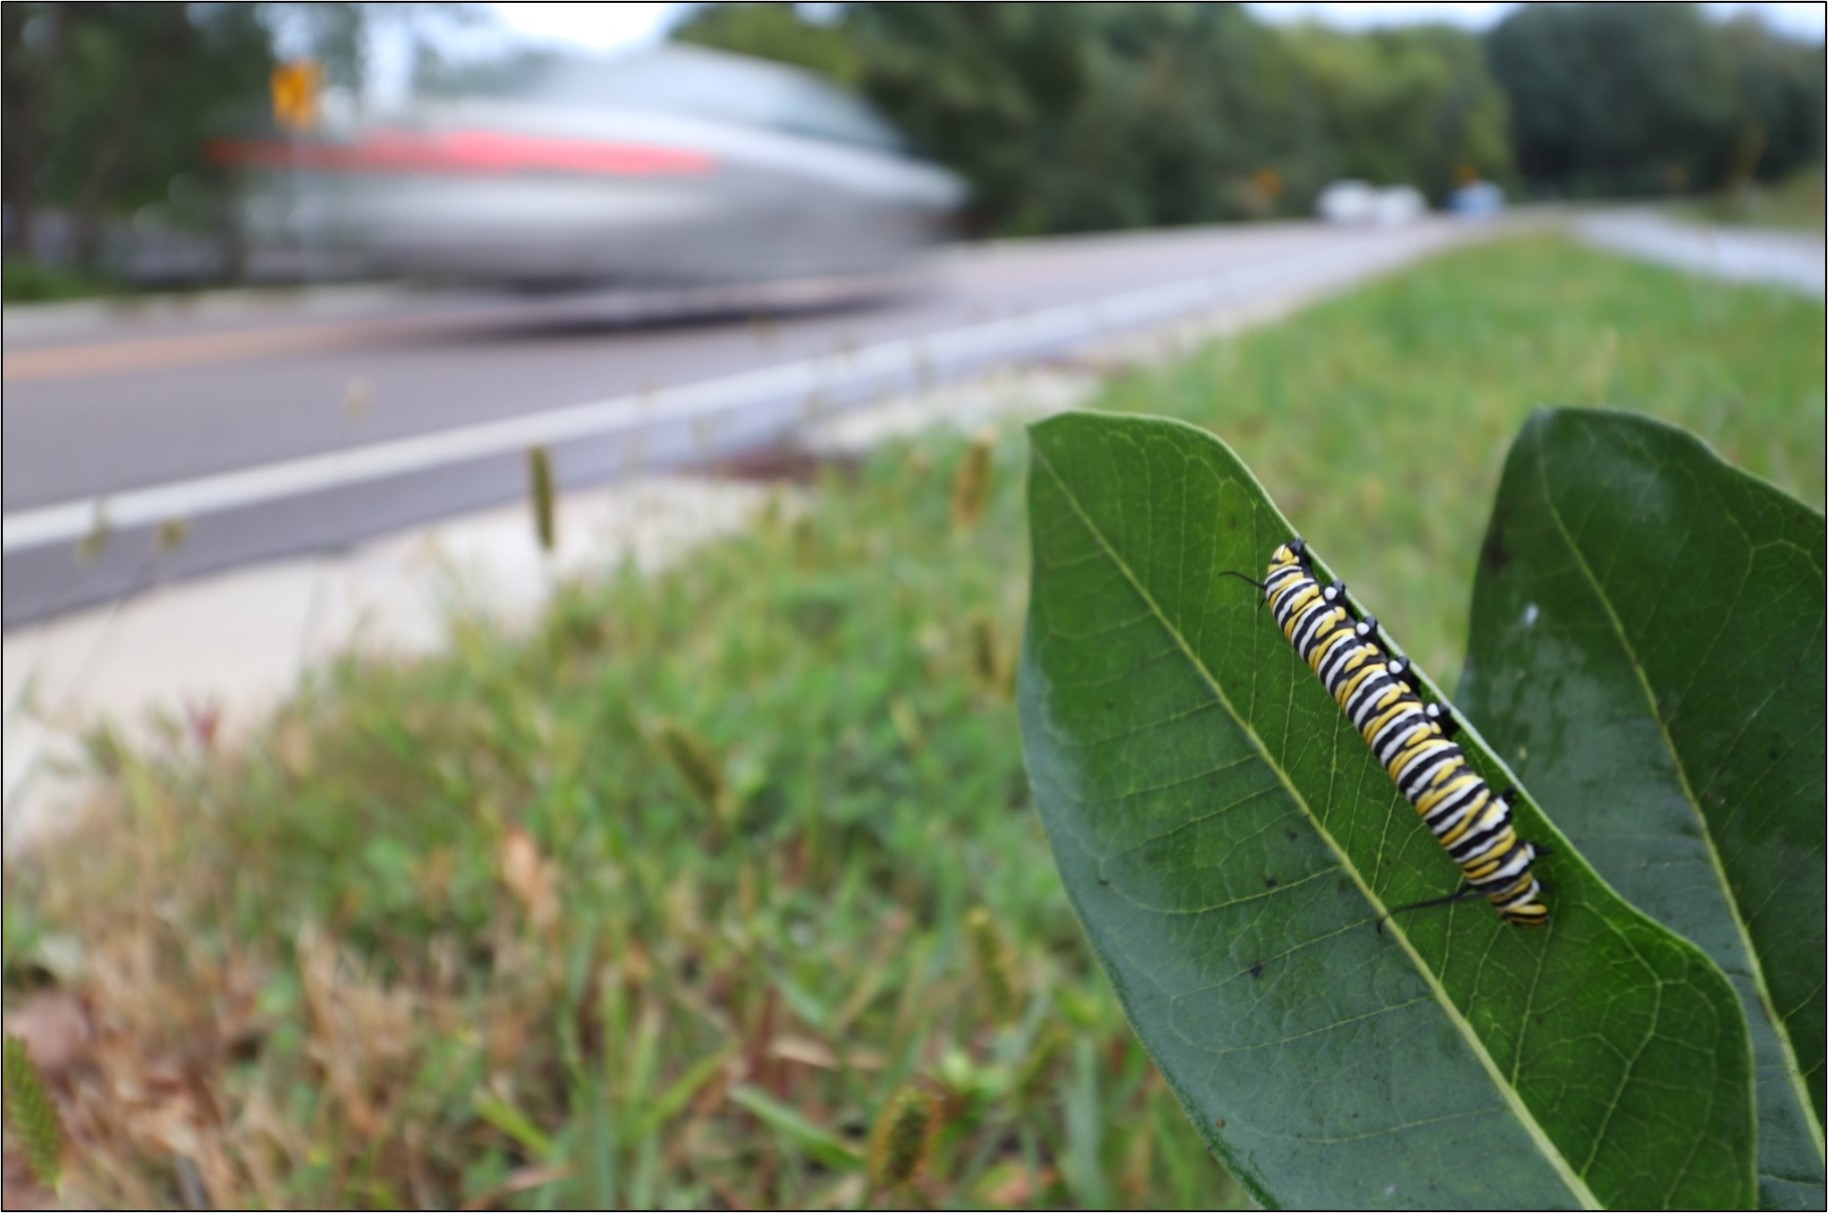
x=913, y=359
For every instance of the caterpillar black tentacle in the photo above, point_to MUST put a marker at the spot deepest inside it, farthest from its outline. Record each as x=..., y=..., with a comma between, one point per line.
x=1444, y=719
x=1378, y=693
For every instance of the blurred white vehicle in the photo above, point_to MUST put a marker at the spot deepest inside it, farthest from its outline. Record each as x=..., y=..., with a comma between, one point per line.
x=1358, y=202
x=1399, y=204
x=679, y=166
x=1347, y=202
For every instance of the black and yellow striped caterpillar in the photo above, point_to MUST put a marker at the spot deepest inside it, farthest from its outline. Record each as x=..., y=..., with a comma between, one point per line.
x=1377, y=694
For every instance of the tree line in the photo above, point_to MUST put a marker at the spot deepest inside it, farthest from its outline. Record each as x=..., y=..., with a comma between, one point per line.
x=1063, y=117
x=105, y=107
x=1087, y=116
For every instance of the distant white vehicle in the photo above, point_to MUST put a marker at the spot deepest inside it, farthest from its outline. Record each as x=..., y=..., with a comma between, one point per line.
x=1360, y=203
x=1400, y=204
x=1347, y=202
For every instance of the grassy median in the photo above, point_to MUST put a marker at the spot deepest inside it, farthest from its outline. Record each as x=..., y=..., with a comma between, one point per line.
x=721, y=888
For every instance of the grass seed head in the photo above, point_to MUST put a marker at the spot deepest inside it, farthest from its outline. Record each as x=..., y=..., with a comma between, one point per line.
x=32, y=1114
x=91, y=545
x=697, y=763
x=987, y=664
x=170, y=536
x=971, y=484
x=539, y=477
x=358, y=398
x=995, y=965
x=902, y=1138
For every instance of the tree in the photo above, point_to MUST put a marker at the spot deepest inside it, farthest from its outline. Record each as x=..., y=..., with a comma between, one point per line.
x=1094, y=116
x=1415, y=105
x=1616, y=98
x=107, y=103
x=106, y=106
x=773, y=31
x=1779, y=119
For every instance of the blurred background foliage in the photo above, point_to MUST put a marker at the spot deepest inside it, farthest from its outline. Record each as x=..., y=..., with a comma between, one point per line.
x=1653, y=98
x=1069, y=118
x=1100, y=116
x=1093, y=116
x=105, y=107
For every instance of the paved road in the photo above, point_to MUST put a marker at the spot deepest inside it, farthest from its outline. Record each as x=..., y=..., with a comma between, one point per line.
x=1781, y=258
x=239, y=421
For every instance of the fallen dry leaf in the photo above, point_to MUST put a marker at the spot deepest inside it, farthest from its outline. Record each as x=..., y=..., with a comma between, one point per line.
x=58, y=1033
x=520, y=1181
x=531, y=877
x=1013, y=1185
x=804, y=1050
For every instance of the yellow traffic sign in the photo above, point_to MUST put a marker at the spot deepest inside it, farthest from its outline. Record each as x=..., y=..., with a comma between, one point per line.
x=295, y=91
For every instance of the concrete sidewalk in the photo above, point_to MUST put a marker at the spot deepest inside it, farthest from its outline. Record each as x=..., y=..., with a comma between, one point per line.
x=231, y=647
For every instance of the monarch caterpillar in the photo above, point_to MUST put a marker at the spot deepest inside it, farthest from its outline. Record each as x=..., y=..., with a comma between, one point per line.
x=1377, y=693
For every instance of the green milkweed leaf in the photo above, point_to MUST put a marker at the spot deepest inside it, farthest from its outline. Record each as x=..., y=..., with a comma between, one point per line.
x=1229, y=843
x=1647, y=652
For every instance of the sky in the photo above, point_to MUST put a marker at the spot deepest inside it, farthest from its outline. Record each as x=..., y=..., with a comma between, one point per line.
x=596, y=26
x=620, y=26
x=1803, y=20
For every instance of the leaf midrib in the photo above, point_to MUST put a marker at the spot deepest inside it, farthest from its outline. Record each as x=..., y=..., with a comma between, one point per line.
x=1791, y=1069
x=1557, y=1162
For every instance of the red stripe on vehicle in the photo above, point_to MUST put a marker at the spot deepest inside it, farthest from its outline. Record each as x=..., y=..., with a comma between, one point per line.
x=469, y=152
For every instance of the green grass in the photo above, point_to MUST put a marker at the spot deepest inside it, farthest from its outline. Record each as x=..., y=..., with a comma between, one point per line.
x=670, y=901
x=1379, y=422
x=23, y=280
x=1795, y=202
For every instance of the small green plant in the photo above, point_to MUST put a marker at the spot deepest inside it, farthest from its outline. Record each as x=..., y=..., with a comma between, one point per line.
x=539, y=479
x=994, y=963
x=24, y=280
x=170, y=536
x=31, y=1113
x=902, y=1138
x=698, y=765
x=971, y=484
